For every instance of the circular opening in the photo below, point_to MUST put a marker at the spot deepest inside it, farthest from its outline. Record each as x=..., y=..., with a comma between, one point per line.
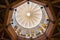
x=28, y=14
x=30, y=20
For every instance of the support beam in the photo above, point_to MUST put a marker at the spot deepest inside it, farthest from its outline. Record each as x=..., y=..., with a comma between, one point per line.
x=58, y=14
x=56, y=1
x=14, y=3
x=0, y=24
x=5, y=22
x=58, y=29
x=1, y=29
x=54, y=17
x=17, y=3
x=58, y=18
x=51, y=21
x=1, y=21
x=7, y=3
x=56, y=6
x=8, y=33
x=59, y=21
x=6, y=16
x=2, y=6
x=56, y=34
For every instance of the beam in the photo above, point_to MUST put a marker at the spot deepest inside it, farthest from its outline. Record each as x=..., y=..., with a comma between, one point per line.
x=5, y=22
x=17, y=3
x=6, y=16
x=58, y=18
x=58, y=29
x=14, y=3
x=9, y=34
x=2, y=6
x=56, y=34
x=1, y=21
x=7, y=3
x=54, y=17
x=1, y=29
x=58, y=15
x=59, y=21
x=56, y=6
x=56, y=1
x=0, y=24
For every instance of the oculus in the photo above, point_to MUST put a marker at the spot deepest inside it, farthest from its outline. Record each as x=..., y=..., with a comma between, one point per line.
x=30, y=20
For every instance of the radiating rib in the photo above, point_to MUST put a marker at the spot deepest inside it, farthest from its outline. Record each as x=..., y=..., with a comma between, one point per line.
x=33, y=19
x=37, y=14
x=31, y=22
x=37, y=17
x=34, y=7
x=37, y=10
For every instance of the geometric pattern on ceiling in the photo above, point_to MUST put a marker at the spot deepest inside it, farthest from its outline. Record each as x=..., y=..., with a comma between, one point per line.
x=4, y=4
x=30, y=20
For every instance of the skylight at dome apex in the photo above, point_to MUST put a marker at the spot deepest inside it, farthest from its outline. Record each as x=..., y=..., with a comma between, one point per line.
x=30, y=20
